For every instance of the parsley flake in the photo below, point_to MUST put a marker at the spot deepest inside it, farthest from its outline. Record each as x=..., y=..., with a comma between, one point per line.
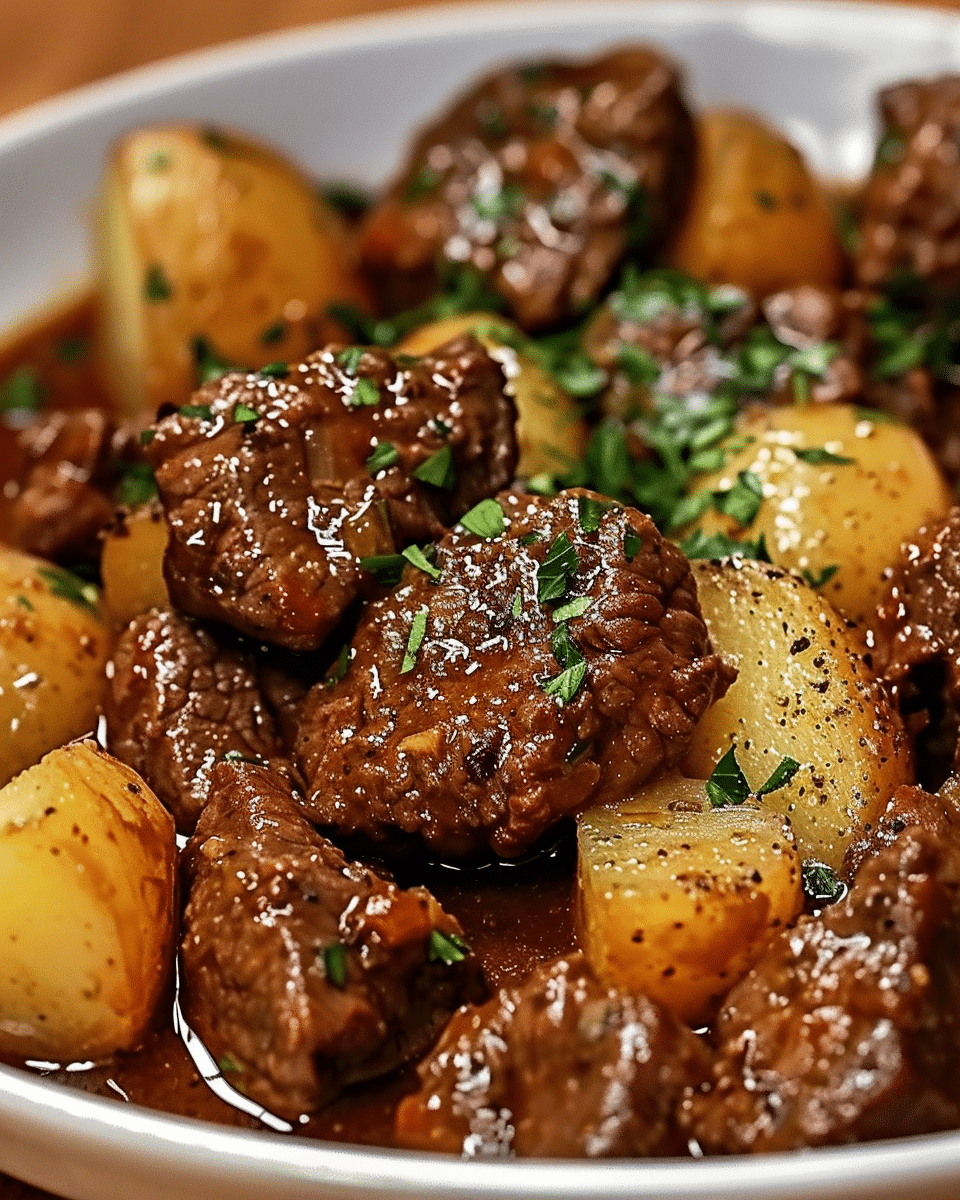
x=817, y=579
x=385, y=454
x=25, y=602
x=275, y=370
x=339, y=668
x=156, y=286
x=742, y=501
x=556, y=570
x=227, y=1066
x=243, y=414
x=590, y=512
x=366, y=394
x=517, y=607
x=67, y=586
x=727, y=783
x=821, y=884
x=817, y=456
x=137, y=485
x=448, y=948
x=485, y=519
x=203, y=412
x=274, y=333
x=568, y=682
x=349, y=359
x=20, y=392
x=335, y=963
x=438, y=470
x=414, y=555
x=418, y=630
x=210, y=365
x=386, y=568
x=572, y=609
x=632, y=541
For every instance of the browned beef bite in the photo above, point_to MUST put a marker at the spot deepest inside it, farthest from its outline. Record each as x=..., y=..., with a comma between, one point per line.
x=558, y=1066
x=540, y=178
x=847, y=1028
x=69, y=472
x=910, y=212
x=306, y=971
x=175, y=702
x=558, y=663
x=272, y=494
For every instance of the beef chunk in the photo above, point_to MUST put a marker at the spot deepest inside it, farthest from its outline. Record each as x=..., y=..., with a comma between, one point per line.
x=558, y=663
x=539, y=178
x=910, y=223
x=271, y=495
x=306, y=971
x=70, y=468
x=175, y=702
x=846, y=1029
x=558, y=1066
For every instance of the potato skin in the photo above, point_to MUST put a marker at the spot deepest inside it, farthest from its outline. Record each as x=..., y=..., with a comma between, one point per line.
x=206, y=235
x=551, y=433
x=87, y=880
x=676, y=904
x=816, y=516
x=804, y=692
x=53, y=652
x=757, y=217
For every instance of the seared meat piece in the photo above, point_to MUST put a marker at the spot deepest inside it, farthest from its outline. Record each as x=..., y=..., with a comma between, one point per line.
x=558, y=1066
x=540, y=178
x=910, y=208
x=272, y=497
x=175, y=702
x=69, y=473
x=846, y=1029
x=556, y=664
x=908, y=807
x=306, y=971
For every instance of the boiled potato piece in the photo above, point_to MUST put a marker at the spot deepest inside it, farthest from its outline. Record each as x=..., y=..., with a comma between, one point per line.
x=131, y=564
x=206, y=235
x=839, y=522
x=550, y=431
x=54, y=645
x=803, y=692
x=757, y=217
x=676, y=904
x=87, y=870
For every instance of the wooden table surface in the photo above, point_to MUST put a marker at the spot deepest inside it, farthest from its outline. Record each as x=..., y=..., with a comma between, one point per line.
x=59, y=44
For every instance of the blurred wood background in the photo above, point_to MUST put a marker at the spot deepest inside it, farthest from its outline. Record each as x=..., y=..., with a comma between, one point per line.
x=60, y=44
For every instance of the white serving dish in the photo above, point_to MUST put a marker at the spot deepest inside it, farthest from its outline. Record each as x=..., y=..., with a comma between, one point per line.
x=341, y=98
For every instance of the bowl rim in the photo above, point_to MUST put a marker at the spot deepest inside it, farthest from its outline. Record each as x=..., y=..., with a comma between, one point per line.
x=224, y=1154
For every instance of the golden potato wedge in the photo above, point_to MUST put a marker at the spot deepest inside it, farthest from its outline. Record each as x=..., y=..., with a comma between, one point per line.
x=87, y=875
x=204, y=235
x=550, y=430
x=803, y=692
x=54, y=645
x=839, y=522
x=676, y=904
x=757, y=217
x=131, y=564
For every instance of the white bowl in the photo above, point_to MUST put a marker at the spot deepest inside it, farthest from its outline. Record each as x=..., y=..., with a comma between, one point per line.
x=341, y=98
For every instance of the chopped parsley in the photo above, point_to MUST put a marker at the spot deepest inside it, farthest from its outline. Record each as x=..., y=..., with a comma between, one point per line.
x=20, y=393
x=818, y=456
x=485, y=519
x=448, y=948
x=569, y=681
x=156, y=286
x=424, y=182
x=335, y=963
x=339, y=668
x=517, y=607
x=590, y=512
x=227, y=1066
x=438, y=470
x=728, y=785
x=137, y=485
x=386, y=568
x=243, y=414
x=202, y=412
x=25, y=602
x=274, y=333
x=209, y=365
x=67, y=586
x=349, y=359
x=821, y=884
x=573, y=608
x=416, y=556
x=385, y=454
x=275, y=370
x=366, y=394
x=632, y=541
x=557, y=570
x=817, y=579
x=418, y=630
x=721, y=545
x=742, y=501
x=500, y=205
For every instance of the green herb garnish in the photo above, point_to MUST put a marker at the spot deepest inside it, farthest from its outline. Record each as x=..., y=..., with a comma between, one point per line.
x=137, y=485
x=339, y=668
x=556, y=571
x=335, y=963
x=67, y=586
x=573, y=608
x=818, y=579
x=821, y=884
x=274, y=333
x=414, y=555
x=485, y=519
x=243, y=414
x=203, y=412
x=632, y=541
x=275, y=370
x=817, y=456
x=385, y=454
x=438, y=470
x=728, y=785
x=20, y=392
x=418, y=629
x=156, y=286
x=448, y=948
x=349, y=359
x=386, y=568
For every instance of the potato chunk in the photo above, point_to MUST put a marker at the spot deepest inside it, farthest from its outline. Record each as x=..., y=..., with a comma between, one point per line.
x=87, y=870
x=131, y=564
x=677, y=904
x=757, y=217
x=840, y=493
x=550, y=430
x=53, y=648
x=204, y=235
x=803, y=692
